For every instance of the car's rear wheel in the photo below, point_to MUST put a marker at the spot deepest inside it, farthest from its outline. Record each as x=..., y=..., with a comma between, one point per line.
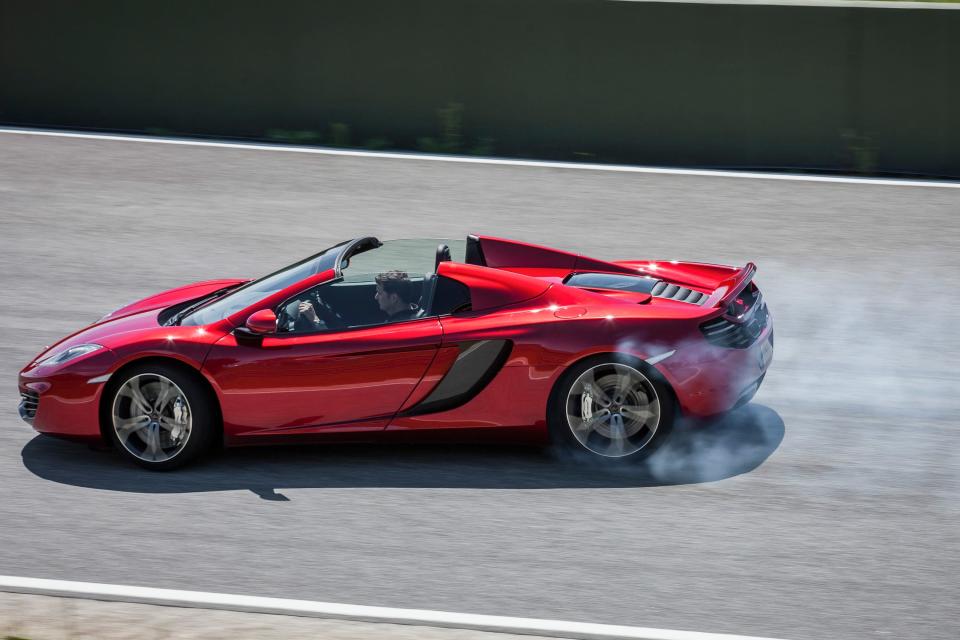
x=160, y=417
x=611, y=408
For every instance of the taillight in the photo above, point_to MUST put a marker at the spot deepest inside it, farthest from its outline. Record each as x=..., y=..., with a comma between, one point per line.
x=743, y=302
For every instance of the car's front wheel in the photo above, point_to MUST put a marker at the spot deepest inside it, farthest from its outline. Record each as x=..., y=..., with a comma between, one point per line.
x=160, y=416
x=611, y=407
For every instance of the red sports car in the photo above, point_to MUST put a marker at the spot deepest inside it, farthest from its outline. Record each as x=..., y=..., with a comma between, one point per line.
x=459, y=340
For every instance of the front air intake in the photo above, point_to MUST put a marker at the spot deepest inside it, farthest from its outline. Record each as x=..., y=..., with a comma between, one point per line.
x=29, y=401
x=676, y=292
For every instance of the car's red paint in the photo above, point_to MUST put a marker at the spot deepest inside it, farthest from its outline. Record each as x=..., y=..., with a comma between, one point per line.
x=367, y=381
x=493, y=288
x=513, y=255
x=736, y=283
x=172, y=296
x=302, y=383
x=500, y=253
x=70, y=404
x=238, y=318
x=262, y=322
x=110, y=327
x=442, y=361
x=692, y=274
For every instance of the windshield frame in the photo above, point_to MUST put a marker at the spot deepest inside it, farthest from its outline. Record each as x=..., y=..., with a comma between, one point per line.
x=325, y=260
x=332, y=261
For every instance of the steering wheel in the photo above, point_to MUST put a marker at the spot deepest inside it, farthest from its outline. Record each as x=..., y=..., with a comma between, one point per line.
x=289, y=319
x=326, y=313
x=443, y=255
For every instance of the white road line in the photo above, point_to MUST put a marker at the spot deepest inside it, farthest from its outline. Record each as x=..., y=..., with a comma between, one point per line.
x=622, y=168
x=307, y=608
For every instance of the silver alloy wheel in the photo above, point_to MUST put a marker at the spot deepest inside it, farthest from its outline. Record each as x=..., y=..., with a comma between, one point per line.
x=152, y=417
x=613, y=410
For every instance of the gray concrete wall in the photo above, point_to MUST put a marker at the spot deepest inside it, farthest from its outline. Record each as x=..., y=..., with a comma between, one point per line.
x=848, y=89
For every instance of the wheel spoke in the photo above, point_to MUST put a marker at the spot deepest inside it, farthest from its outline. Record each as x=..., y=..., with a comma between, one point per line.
x=125, y=428
x=167, y=391
x=153, y=443
x=637, y=412
x=138, y=401
x=618, y=437
x=624, y=382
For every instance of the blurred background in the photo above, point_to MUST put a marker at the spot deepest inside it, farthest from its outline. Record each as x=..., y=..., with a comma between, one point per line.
x=847, y=88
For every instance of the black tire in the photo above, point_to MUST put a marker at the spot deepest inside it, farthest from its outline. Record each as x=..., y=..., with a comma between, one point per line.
x=566, y=444
x=193, y=394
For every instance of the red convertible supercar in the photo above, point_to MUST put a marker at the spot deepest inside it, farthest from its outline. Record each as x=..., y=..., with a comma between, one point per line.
x=398, y=339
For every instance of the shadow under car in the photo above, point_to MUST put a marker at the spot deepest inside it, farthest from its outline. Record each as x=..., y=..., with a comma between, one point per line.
x=731, y=445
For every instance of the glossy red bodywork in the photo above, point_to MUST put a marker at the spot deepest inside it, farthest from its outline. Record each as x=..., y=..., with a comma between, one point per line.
x=487, y=292
x=262, y=322
x=363, y=382
x=173, y=296
x=300, y=383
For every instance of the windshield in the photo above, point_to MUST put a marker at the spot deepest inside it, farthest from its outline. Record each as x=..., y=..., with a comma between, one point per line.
x=260, y=289
x=414, y=257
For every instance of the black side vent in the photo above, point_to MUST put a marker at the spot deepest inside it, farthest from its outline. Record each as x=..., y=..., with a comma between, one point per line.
x=676, y=292
x=29, y=401
x=735, y=335
x=474, y=368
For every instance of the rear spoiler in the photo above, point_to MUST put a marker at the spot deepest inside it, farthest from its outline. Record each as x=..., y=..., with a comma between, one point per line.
x=729, y=289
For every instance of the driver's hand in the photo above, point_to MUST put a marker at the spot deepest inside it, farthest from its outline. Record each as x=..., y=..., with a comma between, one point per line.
x=307, y=311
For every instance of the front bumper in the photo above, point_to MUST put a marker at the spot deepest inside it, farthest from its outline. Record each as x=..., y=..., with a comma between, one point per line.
x=63, y=401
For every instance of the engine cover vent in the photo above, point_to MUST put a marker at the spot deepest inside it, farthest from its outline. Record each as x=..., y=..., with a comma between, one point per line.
x=676, y=292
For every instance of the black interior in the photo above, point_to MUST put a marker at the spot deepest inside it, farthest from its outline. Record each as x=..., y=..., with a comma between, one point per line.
x=443, y=255
x=449, y=296
x=353, y=304
x=347, y=304
x=474, y=252
x=615, y=281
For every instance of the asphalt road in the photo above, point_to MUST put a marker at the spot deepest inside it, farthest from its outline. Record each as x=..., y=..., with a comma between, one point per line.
x=828, y=508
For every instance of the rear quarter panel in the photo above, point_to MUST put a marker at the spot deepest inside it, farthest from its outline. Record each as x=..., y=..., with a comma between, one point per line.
x=549, y=334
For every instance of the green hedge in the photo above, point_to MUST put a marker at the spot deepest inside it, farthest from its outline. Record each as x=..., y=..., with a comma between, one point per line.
x=847, y=89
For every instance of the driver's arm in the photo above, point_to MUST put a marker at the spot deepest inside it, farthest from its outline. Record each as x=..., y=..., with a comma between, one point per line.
x=307, y=311
x=318, y=313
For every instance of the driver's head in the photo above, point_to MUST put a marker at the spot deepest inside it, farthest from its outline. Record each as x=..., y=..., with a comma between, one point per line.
x=395, y=292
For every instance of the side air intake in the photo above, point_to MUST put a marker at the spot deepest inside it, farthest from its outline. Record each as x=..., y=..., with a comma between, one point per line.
x=474, y=368
x=676, y=292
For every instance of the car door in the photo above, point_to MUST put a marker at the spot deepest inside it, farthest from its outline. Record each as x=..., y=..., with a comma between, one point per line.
x=353, y=379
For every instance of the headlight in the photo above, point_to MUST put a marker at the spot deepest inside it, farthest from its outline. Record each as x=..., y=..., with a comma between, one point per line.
x=69, y=354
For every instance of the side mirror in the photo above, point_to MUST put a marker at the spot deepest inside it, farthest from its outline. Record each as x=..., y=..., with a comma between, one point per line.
x=262, y=322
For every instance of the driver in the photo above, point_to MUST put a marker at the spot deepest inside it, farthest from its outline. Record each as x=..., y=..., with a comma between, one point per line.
x=396, y=296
